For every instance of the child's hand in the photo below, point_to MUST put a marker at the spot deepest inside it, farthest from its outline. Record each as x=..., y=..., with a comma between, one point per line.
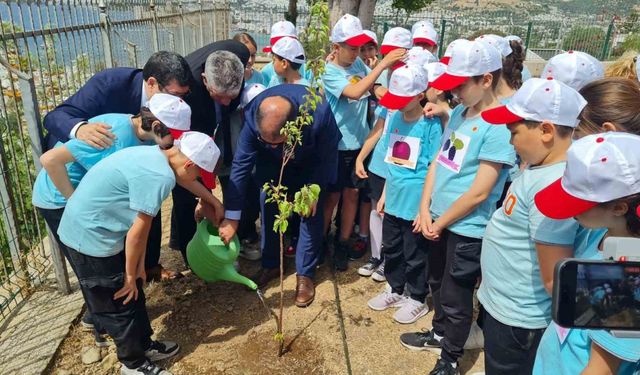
x=380, y=206
x=360, y=170
x=393, y=57
x=426, y=224
x=372, y=62
x=331, y=56
x=432, y=110
x=416, y=224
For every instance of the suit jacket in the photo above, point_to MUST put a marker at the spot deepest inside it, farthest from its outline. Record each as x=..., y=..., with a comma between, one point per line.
x=206, y=114
x=315, y=161
x=116, y=90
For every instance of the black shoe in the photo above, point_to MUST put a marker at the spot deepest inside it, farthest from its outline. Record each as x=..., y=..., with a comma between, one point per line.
x=420, y=340
x=147, y=368
x=359, y=248
x=160, y=350
x=340, y=252
x=87, y=322
x=443, y=367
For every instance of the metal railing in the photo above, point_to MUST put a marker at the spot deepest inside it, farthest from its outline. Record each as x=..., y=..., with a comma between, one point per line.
x=49, y=49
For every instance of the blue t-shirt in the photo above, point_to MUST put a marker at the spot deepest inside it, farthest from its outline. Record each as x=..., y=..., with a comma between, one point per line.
x=509, y=252
x=465, y=143
x=350, y=115
x=376, y=162
x=411, y=148
x=104, y=206
x=256, y=77
x=277, y=80
x=45, y=193
x=268, y=73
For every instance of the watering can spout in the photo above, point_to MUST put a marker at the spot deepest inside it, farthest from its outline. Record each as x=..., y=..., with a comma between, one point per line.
x=211, y=259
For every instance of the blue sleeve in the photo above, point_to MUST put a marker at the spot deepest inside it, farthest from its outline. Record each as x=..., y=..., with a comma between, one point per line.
x=147, y=192
x=626, y=349
x=327, y=158
x=243, y=162
x=496, y=147
x=87, y=156
x=435, y=137
x=548, y=231
x=381, y=112
x=334, y=81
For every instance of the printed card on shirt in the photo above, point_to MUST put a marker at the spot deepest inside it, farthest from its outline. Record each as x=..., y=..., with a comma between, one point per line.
x=355, y=78
x=403, y=151
x=453, y=150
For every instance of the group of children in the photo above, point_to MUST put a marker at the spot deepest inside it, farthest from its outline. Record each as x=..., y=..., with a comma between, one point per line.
x=437, y=146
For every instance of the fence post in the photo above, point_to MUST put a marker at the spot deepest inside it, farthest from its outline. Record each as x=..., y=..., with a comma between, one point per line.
x=214, y=17
x=607, y=40
x=528, y=37
x=443, y=28
x=105, y=30
x=385, y=27
x=200, y=22
x=154, y=27
x=182, y=37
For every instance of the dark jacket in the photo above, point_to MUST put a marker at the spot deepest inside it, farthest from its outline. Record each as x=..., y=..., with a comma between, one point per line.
x=117, y=90
x=315, y=161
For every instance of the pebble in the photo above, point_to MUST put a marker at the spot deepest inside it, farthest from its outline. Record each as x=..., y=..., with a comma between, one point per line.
x=90, y=355
x=63, y=372
x=230, y=309
x=109, y=362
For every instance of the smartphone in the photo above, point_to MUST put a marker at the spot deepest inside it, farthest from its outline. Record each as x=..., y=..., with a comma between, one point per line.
x=597, y=294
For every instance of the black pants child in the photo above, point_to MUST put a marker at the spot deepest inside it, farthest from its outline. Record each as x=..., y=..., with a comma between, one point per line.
x=508, y=350
x=405, y=255
x=100, y=278
x=454, y=266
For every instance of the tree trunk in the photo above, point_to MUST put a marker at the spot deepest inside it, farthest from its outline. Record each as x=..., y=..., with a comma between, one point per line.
x=341, y=7
x=365, y=12
x=292, y=12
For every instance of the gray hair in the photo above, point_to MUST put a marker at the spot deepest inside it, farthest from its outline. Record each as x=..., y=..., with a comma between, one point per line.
x=224, y=72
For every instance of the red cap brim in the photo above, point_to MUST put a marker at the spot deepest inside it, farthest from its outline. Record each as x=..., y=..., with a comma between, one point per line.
x=392, y=101
x=447, y=82
x=359, y=40
x=175, y=133
x=445, y=60
x=267, y=49
x=554, y=202
x=208, y=179
x=500, y=116
x=385, y=49
x=424, y=40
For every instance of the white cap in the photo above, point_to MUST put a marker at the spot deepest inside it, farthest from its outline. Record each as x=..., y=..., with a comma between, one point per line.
x=574, y=68
x=540, y=100
x=172, y=111
x=637, y=61
x=435, y=70
x=405, y=83
x=279, y=30
x=290, y=49
x=202, y=151
x=349, y=30
x=372, y=35
x=498, y=42
x=250, y=92
x=424, y=32
x=447, y=53
x=600, y=168
x=420, y=57
x=397, y=37
x=468, y=59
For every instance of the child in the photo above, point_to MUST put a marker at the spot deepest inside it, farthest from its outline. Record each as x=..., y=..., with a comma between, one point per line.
x=520, y=244
x=513, y=56
x=574, y=68
x=287, y=58
x=514, y=39
x=460, y=193
x=626, y=66
x=601, y=189
x=425, y=36
x=369, y=52
x=118, y=198
x=251, y=75
x=412, y=142
x=281, y=30
x=347, y=83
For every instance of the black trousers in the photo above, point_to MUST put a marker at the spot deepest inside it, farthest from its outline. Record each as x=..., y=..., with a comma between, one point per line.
x=508, y=350
x=454, y=266
x=405, y=255
x=100, y=278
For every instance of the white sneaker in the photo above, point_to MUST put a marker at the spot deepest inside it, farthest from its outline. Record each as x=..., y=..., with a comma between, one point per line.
x=146, y=369
x=411, y=311
x=386, y=300
x=250, y=253
x=378, y=275
x=476, y=338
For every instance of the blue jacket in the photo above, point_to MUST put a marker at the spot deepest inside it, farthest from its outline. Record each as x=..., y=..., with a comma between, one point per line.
x=116, y=90
x=315, y=161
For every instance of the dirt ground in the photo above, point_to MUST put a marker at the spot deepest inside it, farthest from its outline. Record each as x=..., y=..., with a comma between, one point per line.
x=223, y=329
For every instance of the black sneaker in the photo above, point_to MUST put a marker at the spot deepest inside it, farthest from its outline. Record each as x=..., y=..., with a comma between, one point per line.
x=370, y=267
x=147, y=368
x=340, y=251
x=443, y=367
x=359, y=248
x=160, y=350
x=424, y=340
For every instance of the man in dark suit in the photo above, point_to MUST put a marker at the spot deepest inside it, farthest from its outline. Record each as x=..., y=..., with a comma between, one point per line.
x=120, y=90
x=218, y=78
x=315, y=162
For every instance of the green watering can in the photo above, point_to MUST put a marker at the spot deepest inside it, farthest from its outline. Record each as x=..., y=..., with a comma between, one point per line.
x=211, y=259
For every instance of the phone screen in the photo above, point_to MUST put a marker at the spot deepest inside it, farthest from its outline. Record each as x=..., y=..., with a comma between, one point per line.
x=607, y=295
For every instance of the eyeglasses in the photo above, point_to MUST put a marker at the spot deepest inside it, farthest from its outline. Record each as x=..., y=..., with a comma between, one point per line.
x=272, y=144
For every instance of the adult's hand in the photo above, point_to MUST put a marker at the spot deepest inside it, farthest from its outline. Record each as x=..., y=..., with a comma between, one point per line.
x=96, y=134
x=227, y=230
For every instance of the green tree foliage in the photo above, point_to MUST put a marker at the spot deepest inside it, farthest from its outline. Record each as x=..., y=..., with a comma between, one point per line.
x=588, y=39
x=409, y=7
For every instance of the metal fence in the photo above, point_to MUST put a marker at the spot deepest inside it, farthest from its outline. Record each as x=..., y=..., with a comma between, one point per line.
x=48, y=49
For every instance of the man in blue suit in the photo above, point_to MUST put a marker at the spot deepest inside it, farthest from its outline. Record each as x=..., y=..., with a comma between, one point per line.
x=315, y=162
